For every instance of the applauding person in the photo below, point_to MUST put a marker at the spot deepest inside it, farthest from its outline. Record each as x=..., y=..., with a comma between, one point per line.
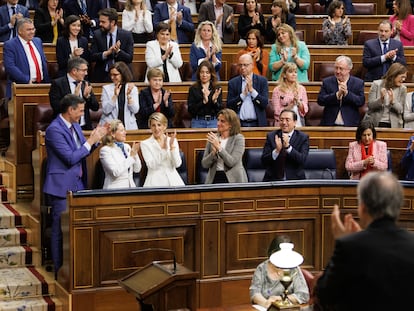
x=154, y=99
x=337, y=27
x=119, y=160
x=120, y=98
x=204, y=97
x=206, y=46
x=161, y=154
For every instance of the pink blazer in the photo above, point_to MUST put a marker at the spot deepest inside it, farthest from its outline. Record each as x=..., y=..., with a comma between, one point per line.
x=354, y=163
x=407, y=30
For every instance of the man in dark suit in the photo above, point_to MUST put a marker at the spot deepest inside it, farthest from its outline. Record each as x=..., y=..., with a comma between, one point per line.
x=224, y=21
x=87, y=10
x=110, y=44
x=23, y=57
x=342, y=95
x=285, y=151
x=248, y=94
x=179, y=18
x=67, y=150
x=74, y=83
x=10, y=13
x=379, y=54
x=370, y=269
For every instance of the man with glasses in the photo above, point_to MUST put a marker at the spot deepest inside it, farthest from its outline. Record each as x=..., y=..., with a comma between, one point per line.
x=248, y=94
x=342, y=95
x=74, y=83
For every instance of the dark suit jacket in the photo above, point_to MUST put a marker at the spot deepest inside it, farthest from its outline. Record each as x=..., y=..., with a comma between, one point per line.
x=350, y=103
x=59, y=88
x=260, y=102
x=407, y=161
x=5, y=31
x=206, y=13
x=34, y=4
x=371, y=57
x=377, y=262
x=161, y=14
x=270, y=32
x=99, y=45
x=197, y=108
x=71, y=7
x=44, y=29
x=17, y=65
x=64, y=160
x=295, y=160
x=63, y=50
x=146, y=108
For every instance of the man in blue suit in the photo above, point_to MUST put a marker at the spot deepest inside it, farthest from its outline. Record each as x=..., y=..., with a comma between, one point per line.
x=380, y=53
x=285, y=151
x=23, y=57
x=67, y=150
x=10, y=13
x=110, y=44
x=248, y=94
x=342, y=95
x=179, y=18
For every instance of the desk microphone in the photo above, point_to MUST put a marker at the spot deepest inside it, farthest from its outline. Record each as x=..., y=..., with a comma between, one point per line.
x=162, y=250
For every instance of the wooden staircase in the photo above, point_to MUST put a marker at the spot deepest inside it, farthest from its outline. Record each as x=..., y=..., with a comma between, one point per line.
x=24, y=283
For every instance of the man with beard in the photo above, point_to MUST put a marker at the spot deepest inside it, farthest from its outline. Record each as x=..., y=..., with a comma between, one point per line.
x=110, y=44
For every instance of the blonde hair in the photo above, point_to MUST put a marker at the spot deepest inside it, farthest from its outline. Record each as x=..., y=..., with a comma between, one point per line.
x=159, y=117
x=129, y=6
x=288, y=67
x=108, y=139
x=292, y=35
x=215, y=40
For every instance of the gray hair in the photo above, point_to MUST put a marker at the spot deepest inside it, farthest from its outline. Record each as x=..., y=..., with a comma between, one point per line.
x=22, y=21
x=75, y=62
x=382, y=195
x=345, y=58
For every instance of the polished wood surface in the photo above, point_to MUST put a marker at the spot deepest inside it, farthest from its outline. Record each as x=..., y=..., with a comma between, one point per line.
x=221, y=231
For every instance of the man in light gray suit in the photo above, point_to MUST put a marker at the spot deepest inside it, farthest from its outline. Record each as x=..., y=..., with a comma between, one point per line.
x=221, y=14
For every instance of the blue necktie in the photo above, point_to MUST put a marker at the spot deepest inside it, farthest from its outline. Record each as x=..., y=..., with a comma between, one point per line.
x=13, y=33
x=83, y=7
x=385, y=65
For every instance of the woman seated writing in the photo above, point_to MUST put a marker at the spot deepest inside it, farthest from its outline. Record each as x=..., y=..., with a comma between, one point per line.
x=266, y=287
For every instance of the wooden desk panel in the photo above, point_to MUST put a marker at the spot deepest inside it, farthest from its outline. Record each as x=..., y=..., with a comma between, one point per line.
x=224, y=245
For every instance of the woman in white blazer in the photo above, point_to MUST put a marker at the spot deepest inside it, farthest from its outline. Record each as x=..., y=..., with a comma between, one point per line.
x=121, y=92
x=119, y=160
x=164, y=54
x=161, y=154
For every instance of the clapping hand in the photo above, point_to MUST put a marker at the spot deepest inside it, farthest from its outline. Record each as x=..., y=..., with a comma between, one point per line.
x=340, y=228
x=173, y=137
x=166, y=97
x=135, y=149
x=214, y=140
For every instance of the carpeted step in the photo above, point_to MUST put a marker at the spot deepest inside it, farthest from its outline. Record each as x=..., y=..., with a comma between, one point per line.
x=9, y=217
x=13, y=237
x=19, y=256
x=17, y=283
x=33, y=304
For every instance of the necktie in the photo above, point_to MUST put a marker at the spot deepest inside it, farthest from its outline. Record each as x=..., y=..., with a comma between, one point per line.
x=38, y=72
x=78, y=145
x=385, y=64
x=14, y=28
x=110, y=59
x=173, y=24
x=121, y=104
x=83, y=7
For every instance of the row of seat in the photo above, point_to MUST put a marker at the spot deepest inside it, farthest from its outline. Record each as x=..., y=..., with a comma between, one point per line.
x=316, y=8
x=320, y=164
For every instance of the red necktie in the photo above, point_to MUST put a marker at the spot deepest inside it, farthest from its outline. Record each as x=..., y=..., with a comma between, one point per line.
x=38, y=73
